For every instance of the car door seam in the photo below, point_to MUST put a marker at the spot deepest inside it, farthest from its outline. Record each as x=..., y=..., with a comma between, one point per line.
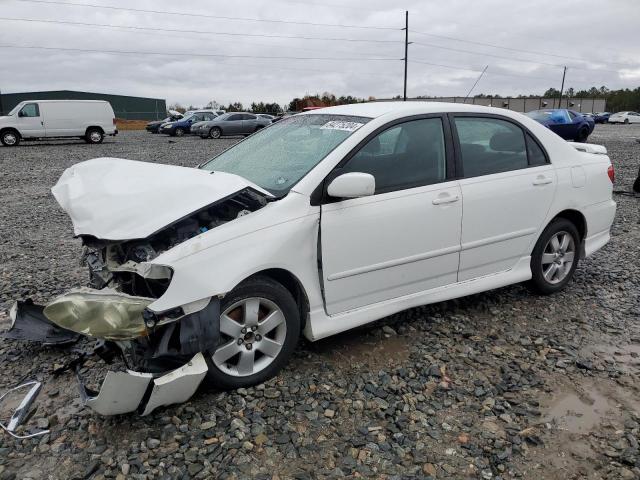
x=393, y=263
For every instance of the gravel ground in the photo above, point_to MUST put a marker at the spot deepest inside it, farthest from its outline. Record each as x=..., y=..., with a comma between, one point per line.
x=503, y=384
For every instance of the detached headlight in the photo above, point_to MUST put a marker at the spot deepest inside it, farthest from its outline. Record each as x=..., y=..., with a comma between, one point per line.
x=106, y=313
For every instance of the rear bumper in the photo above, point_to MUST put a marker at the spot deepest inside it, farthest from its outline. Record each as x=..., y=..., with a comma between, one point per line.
x=599, y=220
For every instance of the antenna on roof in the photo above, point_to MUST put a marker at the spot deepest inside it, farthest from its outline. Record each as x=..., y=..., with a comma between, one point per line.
x=474, y=85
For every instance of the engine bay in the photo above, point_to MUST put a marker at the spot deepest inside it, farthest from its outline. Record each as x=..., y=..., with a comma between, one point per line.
x=113, y=264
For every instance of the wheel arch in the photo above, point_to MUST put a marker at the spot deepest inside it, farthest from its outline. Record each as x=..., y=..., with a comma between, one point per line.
x=10, y=129
x=96, y=127
x=575, y=217
x=289, y=281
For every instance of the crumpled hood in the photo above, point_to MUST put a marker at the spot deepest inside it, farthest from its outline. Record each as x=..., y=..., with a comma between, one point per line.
x=117, y=199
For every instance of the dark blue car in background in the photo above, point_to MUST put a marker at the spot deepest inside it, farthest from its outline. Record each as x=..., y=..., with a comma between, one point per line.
x=182, y=126
x=568, y=124
x=601, y=117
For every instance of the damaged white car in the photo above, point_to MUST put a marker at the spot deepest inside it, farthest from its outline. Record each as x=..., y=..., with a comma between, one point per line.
x=317, y=224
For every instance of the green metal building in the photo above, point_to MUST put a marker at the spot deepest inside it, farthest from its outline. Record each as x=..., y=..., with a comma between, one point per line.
x=124, y=106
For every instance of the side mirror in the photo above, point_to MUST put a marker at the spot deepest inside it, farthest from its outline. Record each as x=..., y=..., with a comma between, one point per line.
x=352, y=185
x=21, y=113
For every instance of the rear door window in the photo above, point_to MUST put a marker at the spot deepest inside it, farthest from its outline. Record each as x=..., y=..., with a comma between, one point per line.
x=535, y=153
x=490, y=145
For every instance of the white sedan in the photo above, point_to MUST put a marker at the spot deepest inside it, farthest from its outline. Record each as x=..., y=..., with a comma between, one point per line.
x=317, y=224
x=625, y=117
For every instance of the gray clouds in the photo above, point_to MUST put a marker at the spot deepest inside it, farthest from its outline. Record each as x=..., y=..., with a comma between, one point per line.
x=605, y=33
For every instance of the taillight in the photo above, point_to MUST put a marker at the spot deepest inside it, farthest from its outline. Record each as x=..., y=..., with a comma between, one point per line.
x=612, y=174
x=114, y=121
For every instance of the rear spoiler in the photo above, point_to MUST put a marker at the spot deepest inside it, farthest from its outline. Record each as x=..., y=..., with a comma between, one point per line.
x=589, y=148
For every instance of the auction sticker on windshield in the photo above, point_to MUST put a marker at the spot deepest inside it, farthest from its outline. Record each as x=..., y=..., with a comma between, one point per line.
x=341, y=125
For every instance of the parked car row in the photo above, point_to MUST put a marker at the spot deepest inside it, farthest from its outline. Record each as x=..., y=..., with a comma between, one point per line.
x=182, y=126
x=211, y=123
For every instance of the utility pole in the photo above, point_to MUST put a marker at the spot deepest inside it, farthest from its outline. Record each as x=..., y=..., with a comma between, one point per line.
x=564, y=72
x=406, y=51
x=474, y=85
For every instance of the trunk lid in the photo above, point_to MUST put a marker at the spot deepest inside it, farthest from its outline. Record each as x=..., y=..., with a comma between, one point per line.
x=589, y=148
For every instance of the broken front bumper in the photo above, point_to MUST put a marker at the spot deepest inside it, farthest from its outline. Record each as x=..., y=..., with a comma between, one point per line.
x=125, y=392
x=137, y=335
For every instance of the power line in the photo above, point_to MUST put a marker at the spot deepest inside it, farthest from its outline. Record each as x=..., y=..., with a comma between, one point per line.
x=482, y=54
x=474, y=70
x=331, y=5
x=205, y=32
x=190, y=54
x=519, y=50
x=234, y=41
x=203, y=15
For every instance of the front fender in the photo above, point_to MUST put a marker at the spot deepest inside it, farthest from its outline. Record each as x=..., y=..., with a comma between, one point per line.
x=215, y=270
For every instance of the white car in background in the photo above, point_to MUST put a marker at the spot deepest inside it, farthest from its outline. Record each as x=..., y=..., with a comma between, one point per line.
x=323, y=222
x=625, y=117
x=90, y=120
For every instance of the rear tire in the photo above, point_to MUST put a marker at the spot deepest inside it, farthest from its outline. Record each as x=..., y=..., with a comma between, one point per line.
x=583, y=134
x=555, y=257
x=626, y=121
x=254, y=347
x=10, y=138
x=94, y=136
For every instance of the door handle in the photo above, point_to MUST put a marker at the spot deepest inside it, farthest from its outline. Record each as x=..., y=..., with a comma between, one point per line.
x=445, y=199
x=542, y=181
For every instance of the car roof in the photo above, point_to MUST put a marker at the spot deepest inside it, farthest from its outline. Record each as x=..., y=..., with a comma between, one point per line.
x=378, y=109
x=61, y=100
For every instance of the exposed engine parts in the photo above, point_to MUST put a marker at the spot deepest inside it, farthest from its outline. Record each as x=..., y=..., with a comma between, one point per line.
x=112, y=264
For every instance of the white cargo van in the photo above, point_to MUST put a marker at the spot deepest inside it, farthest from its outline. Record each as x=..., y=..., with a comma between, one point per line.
x=90, y=120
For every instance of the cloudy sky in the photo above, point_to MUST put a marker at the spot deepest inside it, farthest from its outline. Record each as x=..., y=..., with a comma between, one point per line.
x=196, y=51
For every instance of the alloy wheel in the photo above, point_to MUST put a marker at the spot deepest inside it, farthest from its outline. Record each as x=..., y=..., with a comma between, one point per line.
x=558, y=257
x=253, y=330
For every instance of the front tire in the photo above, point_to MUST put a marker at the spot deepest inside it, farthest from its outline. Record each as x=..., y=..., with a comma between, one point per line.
x=626, y=121
x=555, y=257
x=259, y=329
x=10, y=138
x=179, y=132
x=94, y=136
x=215, y=132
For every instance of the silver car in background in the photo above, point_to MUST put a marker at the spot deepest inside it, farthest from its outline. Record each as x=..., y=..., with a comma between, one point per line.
x=233, y=123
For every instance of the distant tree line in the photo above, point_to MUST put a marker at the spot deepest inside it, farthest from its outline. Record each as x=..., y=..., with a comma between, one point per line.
x=617, y=100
